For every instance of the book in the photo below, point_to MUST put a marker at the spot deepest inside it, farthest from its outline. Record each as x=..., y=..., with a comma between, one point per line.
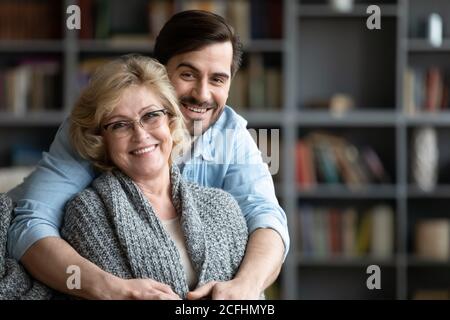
x=349, y=223
x=432, y=238
x=256, y=81
x=364, y=234
x=238, y=15
x=382, y=233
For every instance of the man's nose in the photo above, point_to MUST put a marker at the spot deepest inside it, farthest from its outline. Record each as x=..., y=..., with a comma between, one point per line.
x=202, y=91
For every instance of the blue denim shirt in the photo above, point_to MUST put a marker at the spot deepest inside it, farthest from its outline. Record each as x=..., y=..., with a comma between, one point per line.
x=225, y=157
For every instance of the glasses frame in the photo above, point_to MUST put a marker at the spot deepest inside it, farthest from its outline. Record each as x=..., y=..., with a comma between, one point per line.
x=132, y=122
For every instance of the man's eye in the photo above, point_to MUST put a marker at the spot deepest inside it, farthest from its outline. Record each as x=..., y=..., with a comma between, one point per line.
x=218, y=80
x=119, y=125
x=186, y=75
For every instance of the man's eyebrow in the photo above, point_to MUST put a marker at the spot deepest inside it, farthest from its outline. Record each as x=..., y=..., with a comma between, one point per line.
x=190, y=66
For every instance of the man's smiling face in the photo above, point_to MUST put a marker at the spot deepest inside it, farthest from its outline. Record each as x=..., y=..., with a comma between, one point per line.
x=202, y=81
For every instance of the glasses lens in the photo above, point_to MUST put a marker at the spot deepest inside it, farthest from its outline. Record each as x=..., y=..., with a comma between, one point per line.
x=152, y=119
x=120, y=129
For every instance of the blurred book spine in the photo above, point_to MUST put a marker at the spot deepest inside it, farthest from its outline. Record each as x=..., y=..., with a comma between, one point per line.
x=33, y=85
x=329, y=159
x=426, y=90
x=327, y=232
x=30, y=19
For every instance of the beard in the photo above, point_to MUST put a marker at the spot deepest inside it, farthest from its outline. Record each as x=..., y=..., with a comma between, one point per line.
x=197, y=126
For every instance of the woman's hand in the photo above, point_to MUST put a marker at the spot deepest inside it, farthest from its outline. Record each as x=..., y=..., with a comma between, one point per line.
x=227, y=290
x=141, y=289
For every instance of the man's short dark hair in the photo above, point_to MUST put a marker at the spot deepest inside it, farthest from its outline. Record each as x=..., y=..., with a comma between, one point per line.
x=193, y=30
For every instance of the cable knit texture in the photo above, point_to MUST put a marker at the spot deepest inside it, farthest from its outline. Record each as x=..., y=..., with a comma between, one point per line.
x=15, y=282
x=114, y=225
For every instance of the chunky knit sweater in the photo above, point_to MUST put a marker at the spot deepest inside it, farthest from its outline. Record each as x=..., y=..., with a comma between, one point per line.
x=113, y=225
x=15, y=282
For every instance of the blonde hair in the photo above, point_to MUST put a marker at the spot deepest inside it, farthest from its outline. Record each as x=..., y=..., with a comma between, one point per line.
x=102, y=96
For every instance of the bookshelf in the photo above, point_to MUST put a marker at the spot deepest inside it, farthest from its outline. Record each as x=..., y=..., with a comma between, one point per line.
x=317, y=52
x=334, y=52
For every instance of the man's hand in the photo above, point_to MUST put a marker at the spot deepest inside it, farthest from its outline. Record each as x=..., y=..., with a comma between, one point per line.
x=141, y=289
x=47, y=260
x=258, y=270
x=228, y=290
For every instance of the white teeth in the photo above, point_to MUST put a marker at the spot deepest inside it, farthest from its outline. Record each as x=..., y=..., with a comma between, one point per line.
x=198, y=110
x=144, y=150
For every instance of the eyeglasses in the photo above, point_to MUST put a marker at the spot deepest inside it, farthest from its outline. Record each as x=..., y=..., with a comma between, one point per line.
x=149, y=121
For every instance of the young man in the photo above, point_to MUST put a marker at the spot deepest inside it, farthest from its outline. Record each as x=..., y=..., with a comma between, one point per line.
x=201, y=54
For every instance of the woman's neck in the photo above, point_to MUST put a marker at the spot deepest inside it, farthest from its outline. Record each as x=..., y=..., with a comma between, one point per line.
x=156, y=187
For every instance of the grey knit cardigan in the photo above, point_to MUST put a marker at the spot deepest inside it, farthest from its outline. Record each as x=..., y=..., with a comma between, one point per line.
x=113, y=225
x=15, y=282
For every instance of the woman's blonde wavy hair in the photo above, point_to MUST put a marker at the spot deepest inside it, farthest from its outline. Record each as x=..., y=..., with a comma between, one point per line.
x=102, y=95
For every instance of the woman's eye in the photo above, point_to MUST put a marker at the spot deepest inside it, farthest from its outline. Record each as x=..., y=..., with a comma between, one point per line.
x=151, y=115
x=119, y=125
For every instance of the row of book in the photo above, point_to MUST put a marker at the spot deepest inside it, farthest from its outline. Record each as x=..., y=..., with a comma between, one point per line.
x=252, y=19
x=346, y=232
x=330, y=159
x=257, y=86
x=426, y=90
x=33, y=85
x=30, y=19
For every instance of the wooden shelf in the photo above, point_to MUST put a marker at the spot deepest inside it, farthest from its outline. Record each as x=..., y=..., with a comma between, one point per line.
x=119, y=46
x=424, y=118
x=441, y=191
x=422, y=45
x=340, y=261
x=340, y=191
x=31, y=46
x=372, y=118
x=45, y=118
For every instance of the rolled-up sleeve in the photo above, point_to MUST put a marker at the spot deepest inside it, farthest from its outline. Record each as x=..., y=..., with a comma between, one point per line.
x=40, y=199
x=248, y=179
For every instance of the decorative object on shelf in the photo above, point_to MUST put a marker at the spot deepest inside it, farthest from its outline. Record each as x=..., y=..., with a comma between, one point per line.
x=341, y=103
x=435, y=30
x=343, y=6
x=433, y=239
x=425, y=158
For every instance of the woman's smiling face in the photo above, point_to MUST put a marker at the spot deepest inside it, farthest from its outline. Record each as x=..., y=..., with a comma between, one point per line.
x=142, y=153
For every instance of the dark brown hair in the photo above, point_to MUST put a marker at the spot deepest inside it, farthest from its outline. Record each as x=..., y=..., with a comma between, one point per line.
x=192, y=30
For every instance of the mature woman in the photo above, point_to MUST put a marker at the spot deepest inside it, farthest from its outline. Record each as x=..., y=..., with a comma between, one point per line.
x=140, y=218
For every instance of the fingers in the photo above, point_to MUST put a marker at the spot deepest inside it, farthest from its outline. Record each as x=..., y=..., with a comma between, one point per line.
x=202, y=292
x=162, y=287
x=148, y=289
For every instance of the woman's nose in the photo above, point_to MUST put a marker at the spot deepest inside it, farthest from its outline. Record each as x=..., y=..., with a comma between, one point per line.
x=139, y=132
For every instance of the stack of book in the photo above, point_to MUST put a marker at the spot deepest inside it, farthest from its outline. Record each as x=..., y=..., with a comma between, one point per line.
x=30, y=19
x=33, y=85
x=329, y=159
x=329, y=232
x=426, y=90
x=252, y=19
x=257, y=86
